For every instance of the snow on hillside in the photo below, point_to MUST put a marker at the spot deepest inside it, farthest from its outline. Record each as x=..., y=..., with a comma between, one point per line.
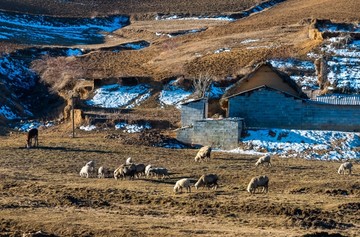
x=47, y=30
x=7, y=113
x=115, y=96
x=343, y=66
x=230, y=17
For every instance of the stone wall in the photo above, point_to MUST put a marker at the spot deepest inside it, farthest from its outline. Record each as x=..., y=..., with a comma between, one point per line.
x=217, y=133
x=269, y=108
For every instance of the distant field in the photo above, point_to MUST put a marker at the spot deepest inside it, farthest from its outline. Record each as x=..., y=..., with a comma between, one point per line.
x=137, y=8
x=40, y=189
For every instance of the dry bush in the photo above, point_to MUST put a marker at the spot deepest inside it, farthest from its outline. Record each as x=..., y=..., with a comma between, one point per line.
x=60, y=73
x=342, y=41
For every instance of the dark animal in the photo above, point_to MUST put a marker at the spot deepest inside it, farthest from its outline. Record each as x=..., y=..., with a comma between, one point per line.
x=32, y=134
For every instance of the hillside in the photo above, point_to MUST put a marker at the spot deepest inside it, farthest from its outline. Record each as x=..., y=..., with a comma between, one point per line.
x=205, y=43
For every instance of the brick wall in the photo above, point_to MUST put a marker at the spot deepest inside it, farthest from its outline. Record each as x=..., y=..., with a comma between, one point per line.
x=217, y=133
x=268, y=108
x=193, y=111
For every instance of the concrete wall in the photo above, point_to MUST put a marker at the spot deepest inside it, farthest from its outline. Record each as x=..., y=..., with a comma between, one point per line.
x=217, y=133
x=192, y=111
x=268, y=108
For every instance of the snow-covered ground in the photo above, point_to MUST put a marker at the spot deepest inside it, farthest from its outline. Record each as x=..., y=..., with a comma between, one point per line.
x=115, y=96
x=309, y=144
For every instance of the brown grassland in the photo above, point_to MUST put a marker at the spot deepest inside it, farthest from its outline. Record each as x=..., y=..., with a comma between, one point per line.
x=41, y=190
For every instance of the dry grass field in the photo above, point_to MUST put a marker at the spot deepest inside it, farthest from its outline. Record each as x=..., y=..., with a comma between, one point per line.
x=41, y=190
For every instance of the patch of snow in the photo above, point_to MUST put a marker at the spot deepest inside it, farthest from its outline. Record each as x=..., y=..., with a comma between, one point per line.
x=344, y=65
x=7, y=112
x=74, y=52
x=88, y=127
x=247, y=41
x=293, y=63
x=115, y=96
x=136, y=46
x=25, y=126
x=173, y=95
x=309, y=144
x=132, y=128
x=176, y=17
x=216, y=92
x=40, y=30
x=139, y=100
x=306, y=81
x=222, y=50
x=259, y=47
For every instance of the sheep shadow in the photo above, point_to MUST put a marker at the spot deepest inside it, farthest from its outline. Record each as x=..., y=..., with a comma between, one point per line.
x=237, y=159
x=65, y=149
x=298, y=168
x=172, y=180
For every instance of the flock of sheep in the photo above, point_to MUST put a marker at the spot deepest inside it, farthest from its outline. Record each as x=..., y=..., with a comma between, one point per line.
x=130, y=169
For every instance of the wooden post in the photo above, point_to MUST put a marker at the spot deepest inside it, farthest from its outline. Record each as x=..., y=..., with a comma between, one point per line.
x=73, y=116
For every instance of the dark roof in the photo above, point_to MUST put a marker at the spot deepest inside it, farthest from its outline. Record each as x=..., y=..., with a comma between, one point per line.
x=266, y=87
x=192, y=100
x=286, y=78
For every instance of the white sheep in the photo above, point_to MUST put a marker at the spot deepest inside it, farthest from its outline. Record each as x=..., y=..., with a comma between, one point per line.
x=256, y=182
x=182, y=183
x=85, y=170
x=209, y=180
x=101, y=172
x=345, y=166
x=91, y=164
x=147, y=168
x=128, y=161
x=264, y=159
x=158, y=172
x=203, y=154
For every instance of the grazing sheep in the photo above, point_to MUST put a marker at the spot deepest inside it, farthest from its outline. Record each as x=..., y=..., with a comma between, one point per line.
x=345, y=166
x=208, y=181
x=91, y=164
x=101, y=172
x=256, y=182
x=118, y=171
x=128, y=161
x=140, y=170
x=182, y=183
x=85, y=170
x=147, y=168
x=32, y=134
x=124, y=171
x=159, y=172
x=203, y=154
x=264, y=159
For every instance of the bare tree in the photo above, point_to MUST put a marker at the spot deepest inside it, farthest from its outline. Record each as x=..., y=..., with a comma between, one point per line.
x=202, y=85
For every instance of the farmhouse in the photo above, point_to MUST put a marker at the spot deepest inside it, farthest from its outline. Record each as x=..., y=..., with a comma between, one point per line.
x=265, y=98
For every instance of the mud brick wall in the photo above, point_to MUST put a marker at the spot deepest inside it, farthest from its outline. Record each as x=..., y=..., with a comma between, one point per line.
x=217, y=133
x=268, y=108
